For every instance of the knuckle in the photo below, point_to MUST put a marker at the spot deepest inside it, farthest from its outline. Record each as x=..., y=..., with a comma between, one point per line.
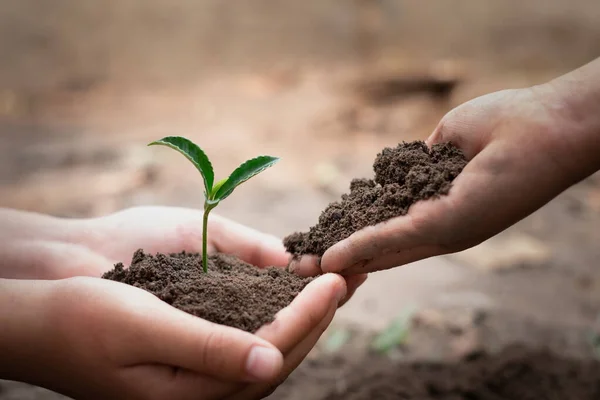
x=307, y=319
x=446, y=129
x=325, y=321
x=257, y=254
x=218, y=352
x=364, y=245
x=421, y=227
x=207, y=347
x=314, y=317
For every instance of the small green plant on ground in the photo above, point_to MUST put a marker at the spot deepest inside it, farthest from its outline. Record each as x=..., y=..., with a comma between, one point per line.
x=337, y=339
x=396, y=333
x=214, y=193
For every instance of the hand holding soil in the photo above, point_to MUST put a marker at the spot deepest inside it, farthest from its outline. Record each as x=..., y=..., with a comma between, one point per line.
x=94, y=337
x=524, y=148
x=43, y=247
x=108, y=338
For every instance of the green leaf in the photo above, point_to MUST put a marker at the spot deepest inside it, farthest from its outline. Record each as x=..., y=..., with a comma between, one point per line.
x=594, y=339
x=193, y=153
x=395, y=334
x=244, y=172
x=337, y=339
x=217, y=186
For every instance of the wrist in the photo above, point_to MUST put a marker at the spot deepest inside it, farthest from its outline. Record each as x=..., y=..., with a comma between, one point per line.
x=29, y=241
x=574, y=101
x=25, y=329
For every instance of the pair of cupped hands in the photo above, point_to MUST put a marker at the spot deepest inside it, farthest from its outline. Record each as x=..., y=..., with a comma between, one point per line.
x=103, y=339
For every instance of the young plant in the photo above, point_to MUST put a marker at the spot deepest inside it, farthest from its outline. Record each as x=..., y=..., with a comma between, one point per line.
x=214, y=193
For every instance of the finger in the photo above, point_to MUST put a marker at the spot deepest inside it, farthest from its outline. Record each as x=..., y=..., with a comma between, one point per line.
x=292, y=360
x=254, y=247
x=468, y=126
x=295, y=357
x=452, y=129
x=305, y=313
x=165, y=382
x=470, y=144
x=307, y=265
x=353, y=282
x=308, y=316
x=392, y=260
x=370, y=243
x=162, y=334
x=460, y=220
x=426, y=224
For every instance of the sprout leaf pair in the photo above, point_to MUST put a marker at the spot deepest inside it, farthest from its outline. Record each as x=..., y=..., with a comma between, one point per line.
x=214, y=192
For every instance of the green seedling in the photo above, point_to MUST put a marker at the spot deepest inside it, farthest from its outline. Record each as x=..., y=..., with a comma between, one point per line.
x=395, y=334
x=337, y=339
x=214, y=193
x=595, y=342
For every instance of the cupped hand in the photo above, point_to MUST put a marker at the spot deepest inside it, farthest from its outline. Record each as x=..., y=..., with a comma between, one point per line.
x=297, y=329
x=98, y=339
x=516, y=145
x=41, y=247
x=125, y=335
x=53, y=248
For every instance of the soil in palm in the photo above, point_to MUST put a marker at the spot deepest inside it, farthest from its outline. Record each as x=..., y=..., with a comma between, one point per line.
x=232, y=293
x=404, y=175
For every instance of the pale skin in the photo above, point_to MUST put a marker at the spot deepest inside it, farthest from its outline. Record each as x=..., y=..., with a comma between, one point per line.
x=524, y=146
x=67, y=330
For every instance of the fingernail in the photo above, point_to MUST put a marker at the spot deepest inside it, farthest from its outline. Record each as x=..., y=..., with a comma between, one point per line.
x=263, y=363
x=293, y=264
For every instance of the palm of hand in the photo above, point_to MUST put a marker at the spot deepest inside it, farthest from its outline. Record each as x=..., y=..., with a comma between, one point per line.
x=102, y=242
x=123, y=341
x=499, y=133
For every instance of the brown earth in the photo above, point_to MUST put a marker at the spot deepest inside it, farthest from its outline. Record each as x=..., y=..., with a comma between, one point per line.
x=64, y=169
x=452, y=354
x=236, y=294
x=404, y=175
x=79, y=151
x=232, y=292
x=516, y=373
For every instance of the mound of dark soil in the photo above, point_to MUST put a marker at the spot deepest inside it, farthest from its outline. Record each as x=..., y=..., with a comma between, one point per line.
x=403, y=175
x=232, y=293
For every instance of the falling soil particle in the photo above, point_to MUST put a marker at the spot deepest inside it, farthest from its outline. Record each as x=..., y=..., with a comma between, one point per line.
x=403, y=175
x=232, y=293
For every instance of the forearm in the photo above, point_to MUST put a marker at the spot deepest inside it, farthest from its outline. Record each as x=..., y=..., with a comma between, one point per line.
x=22, y=225
x=30, y=243
x=23, y=327
x=576, y=101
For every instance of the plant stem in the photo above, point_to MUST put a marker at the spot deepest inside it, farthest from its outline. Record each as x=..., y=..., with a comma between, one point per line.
x=205, y=238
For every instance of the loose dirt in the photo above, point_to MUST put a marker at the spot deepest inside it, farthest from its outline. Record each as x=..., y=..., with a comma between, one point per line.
x=232, y=293
x=404, y=175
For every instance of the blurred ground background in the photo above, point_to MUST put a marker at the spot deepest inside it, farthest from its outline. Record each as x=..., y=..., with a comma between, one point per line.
x=325, y=84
